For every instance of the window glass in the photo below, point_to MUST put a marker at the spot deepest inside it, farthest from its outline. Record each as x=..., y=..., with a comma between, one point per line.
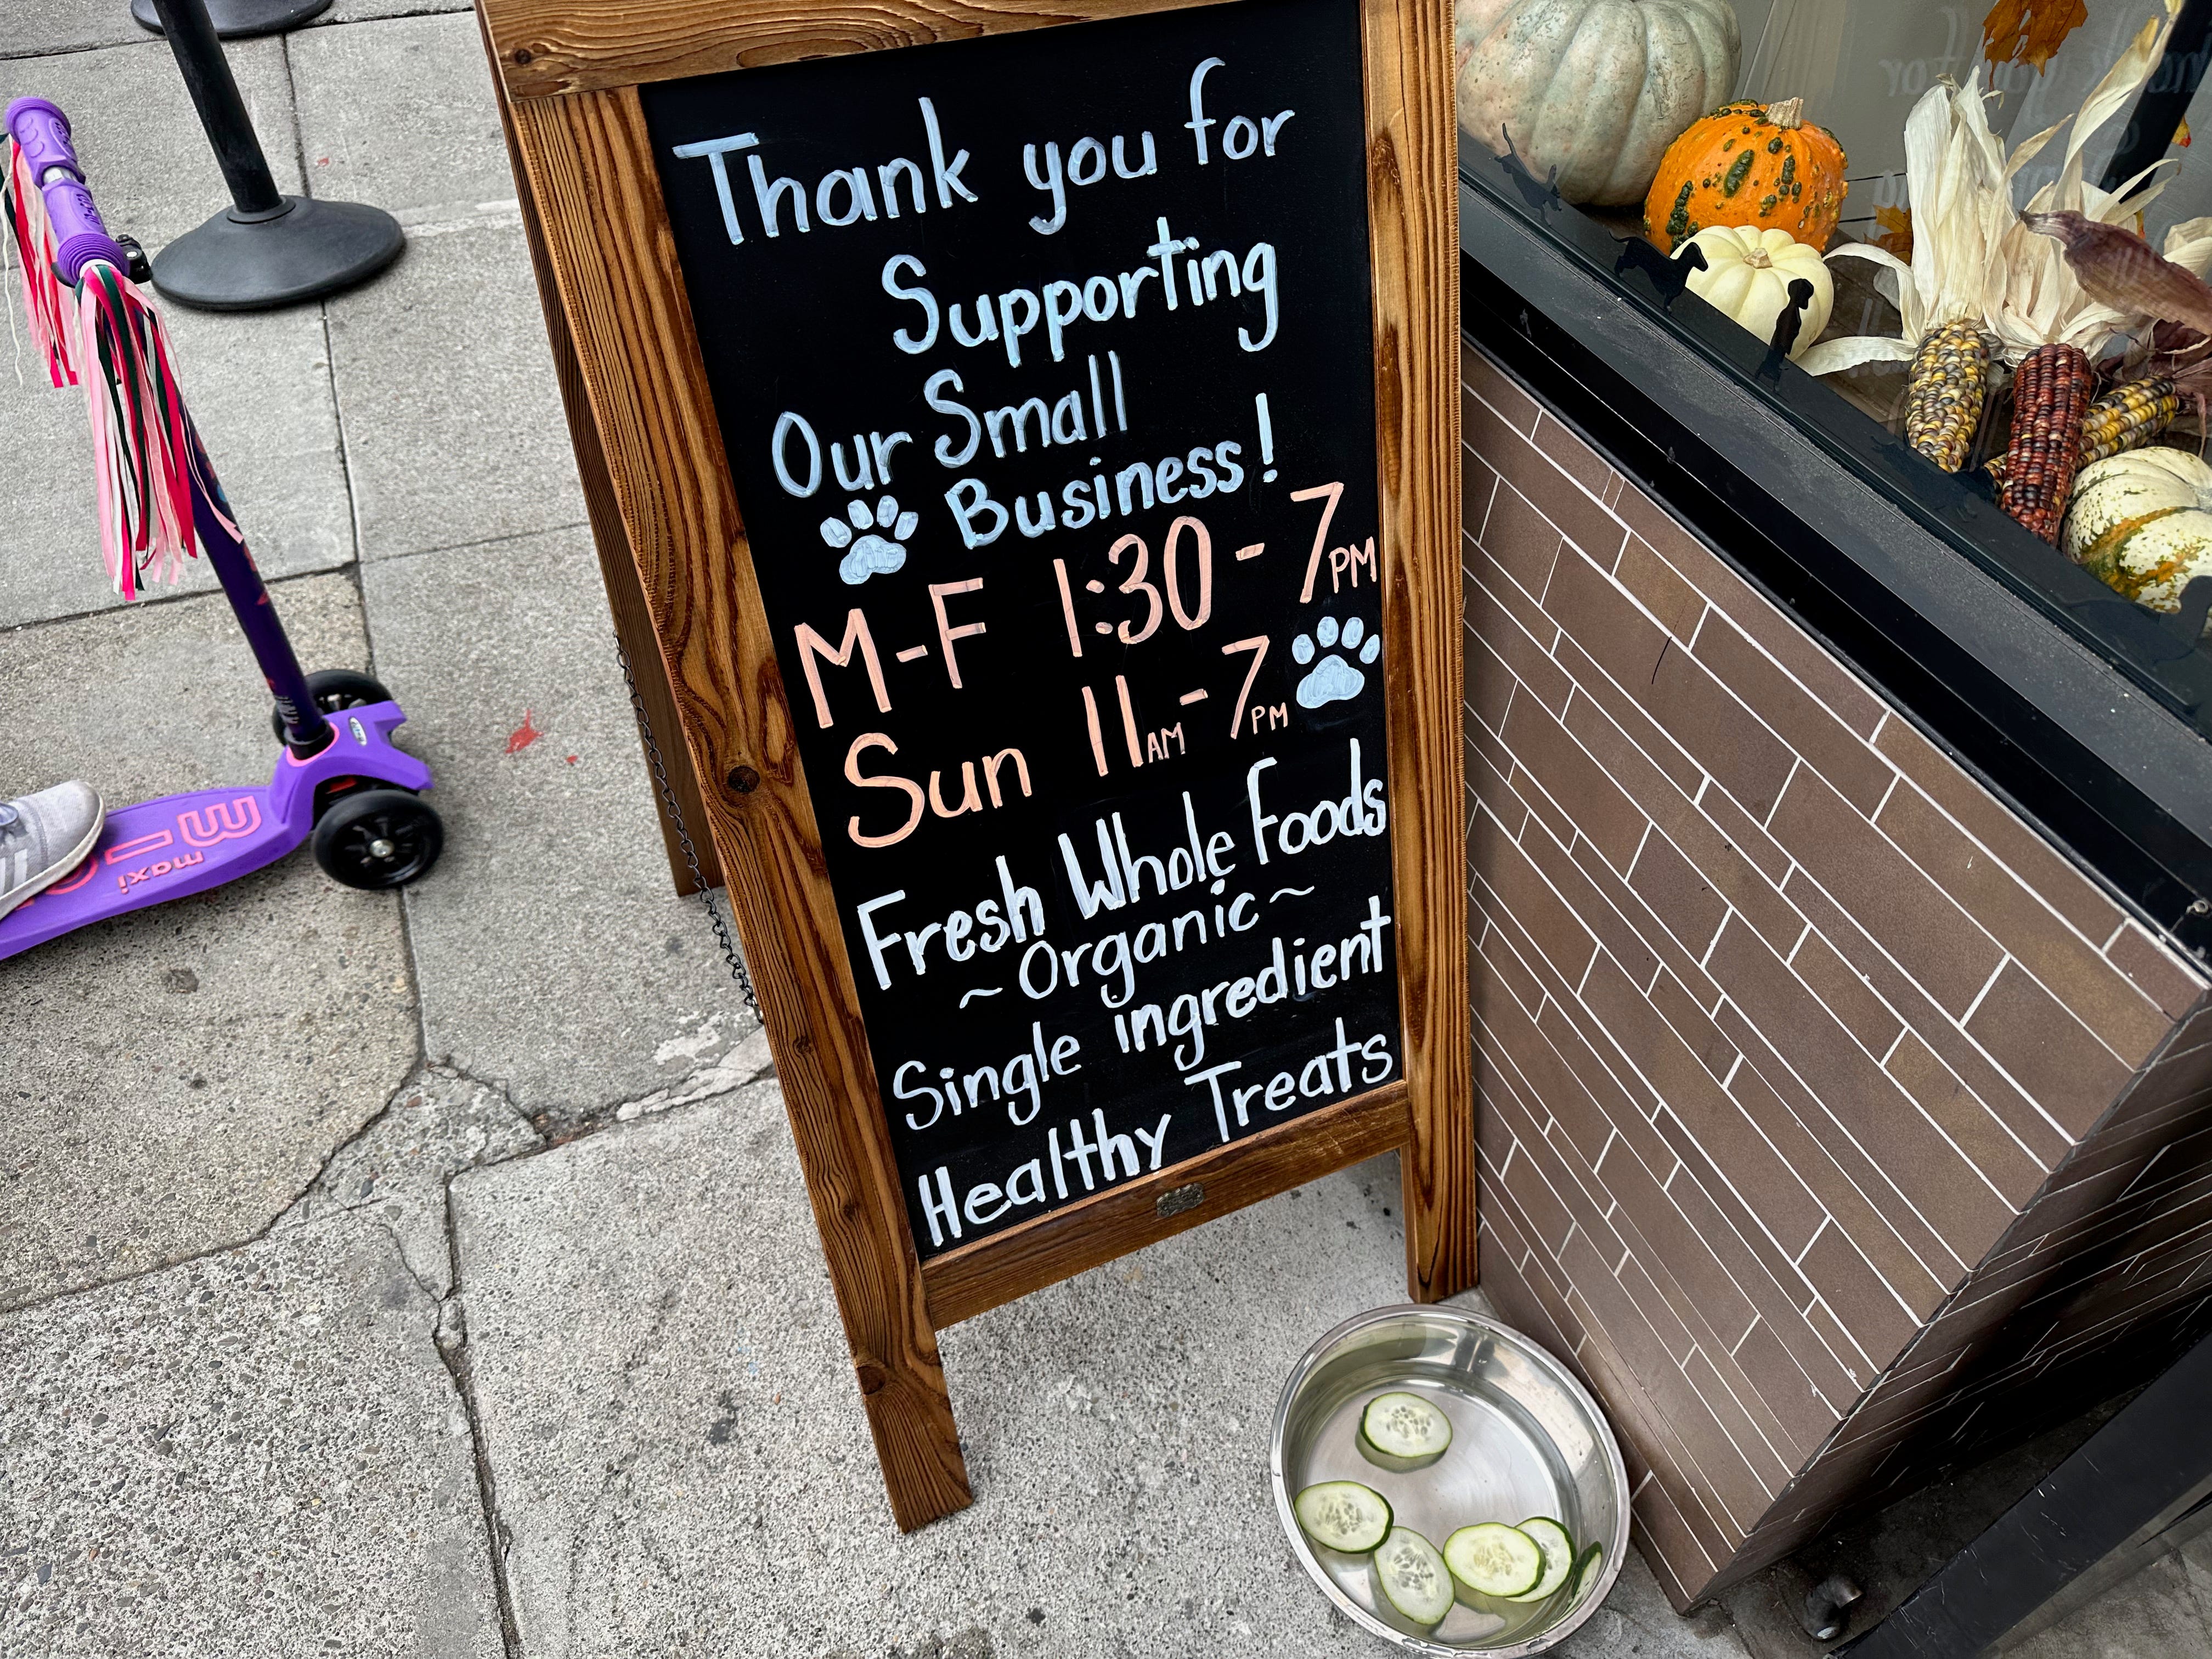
x=1852, y=176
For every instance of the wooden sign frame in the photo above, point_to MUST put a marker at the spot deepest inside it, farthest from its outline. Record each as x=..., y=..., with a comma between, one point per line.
x=649, y=440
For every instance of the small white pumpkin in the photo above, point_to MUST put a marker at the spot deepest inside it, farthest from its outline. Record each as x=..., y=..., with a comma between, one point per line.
x=1597, y=89
x=1747, y=276
x=2141, y=523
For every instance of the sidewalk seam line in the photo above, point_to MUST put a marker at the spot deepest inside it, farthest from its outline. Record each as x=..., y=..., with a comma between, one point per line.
x=458, y=1366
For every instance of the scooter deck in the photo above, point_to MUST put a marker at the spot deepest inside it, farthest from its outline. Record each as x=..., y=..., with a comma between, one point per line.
x=177, y=844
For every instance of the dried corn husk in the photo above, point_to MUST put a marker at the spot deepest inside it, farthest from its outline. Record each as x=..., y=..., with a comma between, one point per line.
x=1972, y=256
x=1954, y=174
x=2032, y=296
x=2117, y=268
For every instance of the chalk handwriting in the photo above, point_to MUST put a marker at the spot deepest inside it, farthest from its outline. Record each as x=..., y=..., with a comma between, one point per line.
x=1047, y=388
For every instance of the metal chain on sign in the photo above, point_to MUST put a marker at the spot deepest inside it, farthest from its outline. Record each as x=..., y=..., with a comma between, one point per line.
x=683, y=839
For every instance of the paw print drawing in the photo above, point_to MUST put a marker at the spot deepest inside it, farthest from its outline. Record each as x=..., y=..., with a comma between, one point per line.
x=1332, y=678
x=870, y=555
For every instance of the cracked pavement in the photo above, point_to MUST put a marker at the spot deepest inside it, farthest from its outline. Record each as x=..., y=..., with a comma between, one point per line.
x=420, y=1276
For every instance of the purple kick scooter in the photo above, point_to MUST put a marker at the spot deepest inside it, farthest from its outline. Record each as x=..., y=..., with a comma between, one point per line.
x=338, y=781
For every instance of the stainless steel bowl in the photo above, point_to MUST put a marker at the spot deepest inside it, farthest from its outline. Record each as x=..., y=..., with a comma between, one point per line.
x=1527, y=1440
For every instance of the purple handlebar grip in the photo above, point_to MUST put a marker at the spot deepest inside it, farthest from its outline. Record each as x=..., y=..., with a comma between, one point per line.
x=80, y=238
x=41, y=131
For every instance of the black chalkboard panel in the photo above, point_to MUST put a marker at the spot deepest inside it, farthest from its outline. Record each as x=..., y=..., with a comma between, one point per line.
x=1044, y=363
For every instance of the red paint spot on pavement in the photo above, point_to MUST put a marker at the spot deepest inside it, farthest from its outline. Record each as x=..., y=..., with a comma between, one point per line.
x=523, y=735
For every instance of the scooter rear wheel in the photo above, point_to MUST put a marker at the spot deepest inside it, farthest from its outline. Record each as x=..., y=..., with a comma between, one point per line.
x=379, y=839
x=334, y=689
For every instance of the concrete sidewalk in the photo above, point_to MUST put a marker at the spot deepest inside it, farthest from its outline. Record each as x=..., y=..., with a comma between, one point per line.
x=431, y=1274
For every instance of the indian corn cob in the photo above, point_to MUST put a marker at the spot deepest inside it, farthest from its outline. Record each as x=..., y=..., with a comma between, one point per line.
x=2051, y=396
x=2126, y=418
x=1944, y=391
x=1976, y=261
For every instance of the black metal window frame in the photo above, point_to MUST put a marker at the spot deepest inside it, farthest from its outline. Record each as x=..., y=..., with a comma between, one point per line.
x=2088, y=714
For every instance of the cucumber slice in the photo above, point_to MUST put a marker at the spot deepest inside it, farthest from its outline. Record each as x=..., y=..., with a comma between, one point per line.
x=1586, y=1571
x=1413, y=1577
x=1403, y=1431
x=1343, y=1514
x=1558, y=1556
x=1492, y=1559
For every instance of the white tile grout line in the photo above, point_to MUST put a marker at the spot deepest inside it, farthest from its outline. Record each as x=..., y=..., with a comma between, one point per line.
x=1895, y=778
x=1967, y=1018
x=2142, y=1174
x=1595, y=953
x=1659, y=972
x=1854, y=1184
x=1749, y=1210
x=1503, y=420
x=2019, y=880
x=1865, y=1359
x=1713, y=944
x=1642, y=841
x=1880, y=1169
x=1909, y=978
x=1697, y=630
x=1797, y=765
x=1798, y=1261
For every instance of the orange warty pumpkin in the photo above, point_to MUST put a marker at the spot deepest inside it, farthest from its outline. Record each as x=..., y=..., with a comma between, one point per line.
x=1745, y=164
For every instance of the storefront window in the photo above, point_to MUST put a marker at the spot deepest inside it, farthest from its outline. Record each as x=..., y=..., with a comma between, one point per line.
x=1984, y=228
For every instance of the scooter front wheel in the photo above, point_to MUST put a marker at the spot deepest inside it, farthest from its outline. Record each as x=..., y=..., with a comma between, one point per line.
x=379, y=839
x=335, y=689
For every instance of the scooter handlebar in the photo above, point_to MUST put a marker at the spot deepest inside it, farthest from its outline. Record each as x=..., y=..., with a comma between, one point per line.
x=80, y=238
x=41, y=131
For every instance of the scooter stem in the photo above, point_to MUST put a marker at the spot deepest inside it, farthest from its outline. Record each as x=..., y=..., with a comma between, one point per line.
x=306, y=732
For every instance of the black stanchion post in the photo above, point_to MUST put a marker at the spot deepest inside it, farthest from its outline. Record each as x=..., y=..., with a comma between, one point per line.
x=267, y=249
x=235, y=20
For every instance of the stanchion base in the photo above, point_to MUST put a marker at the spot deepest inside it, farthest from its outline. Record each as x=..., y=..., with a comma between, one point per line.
x=312, y=249
x=235, y=20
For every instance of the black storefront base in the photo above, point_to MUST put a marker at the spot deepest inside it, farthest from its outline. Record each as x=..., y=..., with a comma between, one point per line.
x=2120, y=1500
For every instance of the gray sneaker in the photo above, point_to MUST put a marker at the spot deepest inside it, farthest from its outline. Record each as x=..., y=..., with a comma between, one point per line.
x=45, y=836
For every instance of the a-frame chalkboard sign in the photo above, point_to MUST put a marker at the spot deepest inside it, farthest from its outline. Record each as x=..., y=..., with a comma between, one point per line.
x=1035, y=429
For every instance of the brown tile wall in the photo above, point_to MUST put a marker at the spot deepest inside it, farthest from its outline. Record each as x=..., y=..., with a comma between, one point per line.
x=1821, y=1101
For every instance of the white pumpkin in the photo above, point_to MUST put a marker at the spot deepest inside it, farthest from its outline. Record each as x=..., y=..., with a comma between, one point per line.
x=1597, y=89
x=2141, y=523
x=1747, y=276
